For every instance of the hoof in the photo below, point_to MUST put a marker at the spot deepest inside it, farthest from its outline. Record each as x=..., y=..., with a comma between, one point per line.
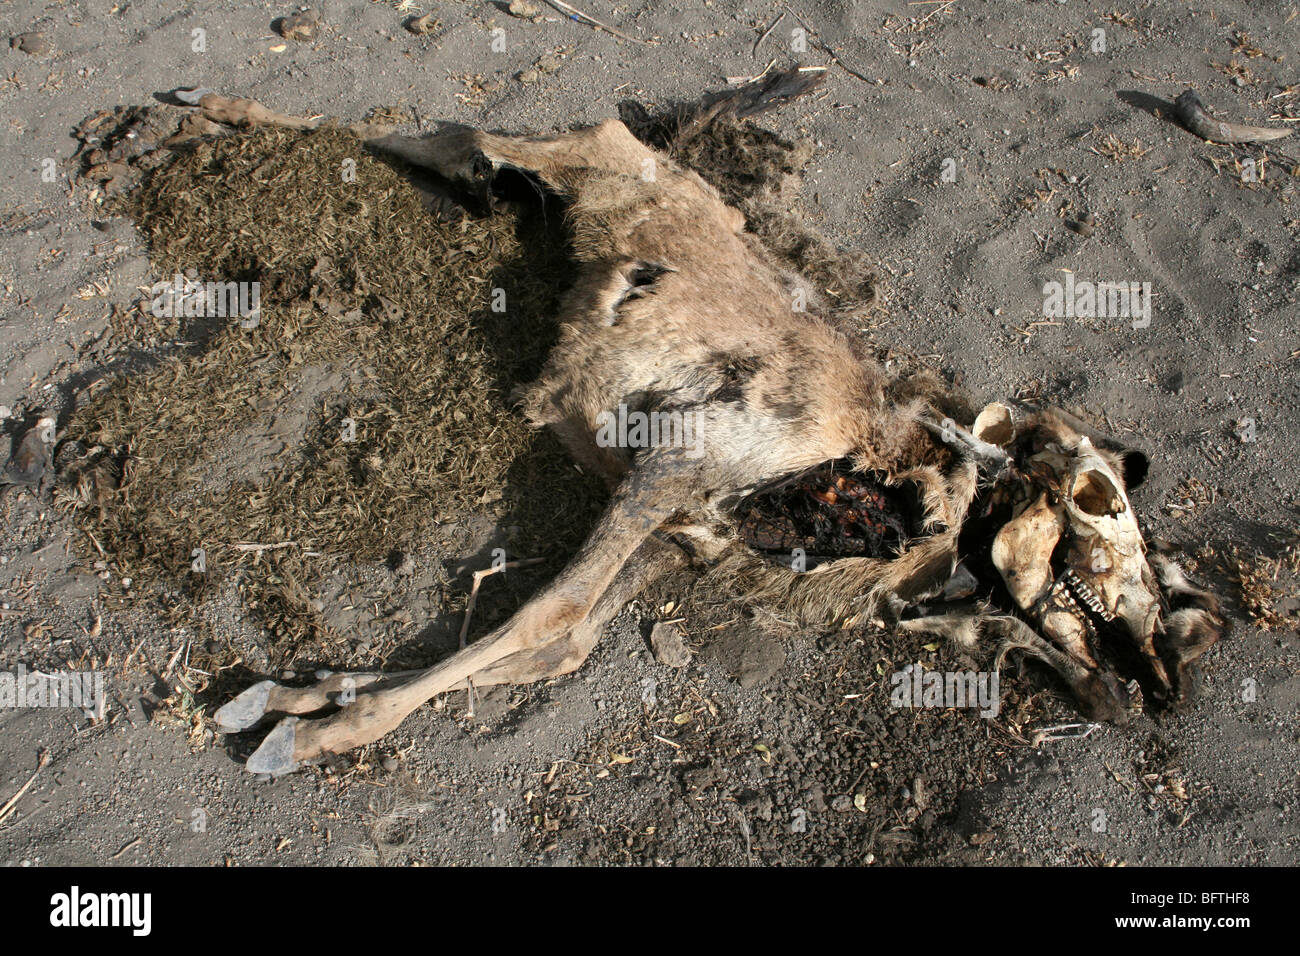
x=275, y=756
x=246, y=710
x=192, y=97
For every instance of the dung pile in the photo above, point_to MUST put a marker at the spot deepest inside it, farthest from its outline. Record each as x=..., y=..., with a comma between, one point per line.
x=355, y=274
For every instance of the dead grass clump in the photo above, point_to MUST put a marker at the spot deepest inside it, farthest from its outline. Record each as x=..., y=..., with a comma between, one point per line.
x=354, y=273
x=1269, y=587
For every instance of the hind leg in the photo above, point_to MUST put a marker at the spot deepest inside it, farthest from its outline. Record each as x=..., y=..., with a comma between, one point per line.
x=460, y=152
x=466, y=154
x=645, y=501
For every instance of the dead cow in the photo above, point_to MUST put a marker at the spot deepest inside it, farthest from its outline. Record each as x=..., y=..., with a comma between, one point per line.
x=792, y=461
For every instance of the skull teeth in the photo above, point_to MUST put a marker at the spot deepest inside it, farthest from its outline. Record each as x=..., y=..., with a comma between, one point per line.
x=1085, y=593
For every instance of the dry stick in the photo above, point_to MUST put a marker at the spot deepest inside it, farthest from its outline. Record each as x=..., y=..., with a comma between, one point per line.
x=469, y=612
x=944, y=5
x=41, y=760
x=592, y=21
x=826, y=48
x=767, y=32
x=134, y=843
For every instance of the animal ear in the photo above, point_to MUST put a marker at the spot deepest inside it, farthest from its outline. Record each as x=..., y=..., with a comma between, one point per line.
x=1134, y=466
x=1131, y=463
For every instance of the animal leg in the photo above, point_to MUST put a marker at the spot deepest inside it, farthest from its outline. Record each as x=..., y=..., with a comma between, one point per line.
x=651, y=561
x=1099, y=695
x=562, y=655
x=646, y=499
x=460, y=153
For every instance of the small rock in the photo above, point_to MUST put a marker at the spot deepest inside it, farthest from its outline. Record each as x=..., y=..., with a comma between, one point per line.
x=34, y=43
x=30, y=463
x=389, y=763
x=668, y=646
x=524, y=10
x=422, y=25
x=302, y=26
x=842, y=804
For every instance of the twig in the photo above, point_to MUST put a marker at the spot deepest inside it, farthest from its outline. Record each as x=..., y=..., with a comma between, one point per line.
x=134, y=843
x=944, y=5
x=826, y=48
x=259, y=548
x=175, y=657
x=42, y=759
x=586, y=18
x=1059, y=732
x=745, y=80
x=767, y=32
x=469, y=612
x=97, y=545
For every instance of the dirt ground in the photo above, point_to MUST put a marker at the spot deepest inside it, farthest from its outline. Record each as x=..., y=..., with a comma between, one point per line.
x=954, y=141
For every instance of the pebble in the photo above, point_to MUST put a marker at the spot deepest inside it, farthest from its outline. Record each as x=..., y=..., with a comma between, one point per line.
x=523, y=9
x=33, y=43
x=668, y=646
x=300, y=26
x=422, y=25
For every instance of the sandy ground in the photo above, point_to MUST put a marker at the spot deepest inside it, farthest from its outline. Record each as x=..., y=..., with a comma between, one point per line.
x=1021, y=98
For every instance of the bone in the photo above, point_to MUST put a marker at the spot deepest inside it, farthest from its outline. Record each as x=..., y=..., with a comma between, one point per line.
x=996, y=424
x=1192, y=113
x=990, y=457
x=1101, y=698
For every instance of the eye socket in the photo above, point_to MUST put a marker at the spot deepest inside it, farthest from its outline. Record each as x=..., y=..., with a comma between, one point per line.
x=1094, y=493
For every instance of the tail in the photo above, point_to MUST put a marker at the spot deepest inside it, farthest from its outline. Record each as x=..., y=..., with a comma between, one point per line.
x=681, y=123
